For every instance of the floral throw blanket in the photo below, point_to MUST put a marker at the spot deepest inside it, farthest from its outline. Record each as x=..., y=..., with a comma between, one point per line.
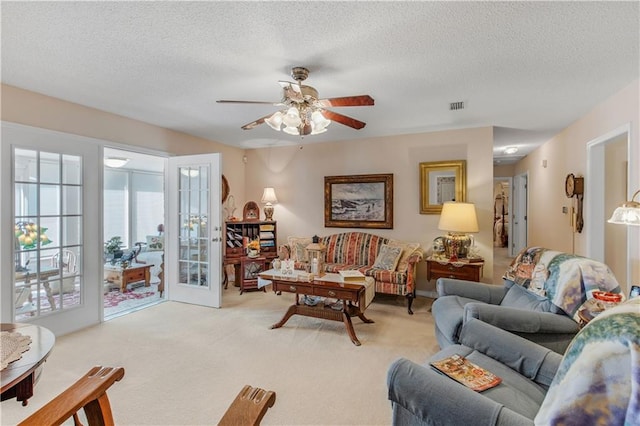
x=567, y=280
x=598, y=381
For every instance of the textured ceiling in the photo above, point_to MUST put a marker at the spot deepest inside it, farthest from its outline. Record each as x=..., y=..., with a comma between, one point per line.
x=528, y=68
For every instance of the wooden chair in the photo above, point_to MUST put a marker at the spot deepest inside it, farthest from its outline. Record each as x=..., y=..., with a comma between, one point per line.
x=90, y=393
x=249, y=407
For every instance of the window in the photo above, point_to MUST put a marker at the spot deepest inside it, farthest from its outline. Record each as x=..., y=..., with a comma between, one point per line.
x=133, y=204
x=47, y=232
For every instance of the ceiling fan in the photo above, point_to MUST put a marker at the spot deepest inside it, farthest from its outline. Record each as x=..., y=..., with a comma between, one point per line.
x=304, y=113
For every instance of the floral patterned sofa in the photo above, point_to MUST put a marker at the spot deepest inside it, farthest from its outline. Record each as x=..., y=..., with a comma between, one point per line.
x=360, y=250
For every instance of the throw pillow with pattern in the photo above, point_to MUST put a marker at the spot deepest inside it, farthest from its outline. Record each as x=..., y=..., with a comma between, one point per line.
x=388, y=258
x=407, y=250
x=299, y=248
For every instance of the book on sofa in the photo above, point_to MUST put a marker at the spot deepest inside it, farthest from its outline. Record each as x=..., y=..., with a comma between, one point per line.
x=469, y=374
x=351, y=275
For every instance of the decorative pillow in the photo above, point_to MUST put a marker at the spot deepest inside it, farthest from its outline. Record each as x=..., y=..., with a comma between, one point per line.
x=155, y=242
x=387, y=258
x=299, y=248
x=407, y=250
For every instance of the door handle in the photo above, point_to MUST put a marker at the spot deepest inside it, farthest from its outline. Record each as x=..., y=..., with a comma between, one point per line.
x=215, y=239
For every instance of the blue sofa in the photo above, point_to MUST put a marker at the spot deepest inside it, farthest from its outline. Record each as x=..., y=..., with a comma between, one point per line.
x=596, y=382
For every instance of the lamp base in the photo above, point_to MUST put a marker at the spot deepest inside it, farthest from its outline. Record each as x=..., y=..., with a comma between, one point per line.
x=456, y=246
x=268, y=212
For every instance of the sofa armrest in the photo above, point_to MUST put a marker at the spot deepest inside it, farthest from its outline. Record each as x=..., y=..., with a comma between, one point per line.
x=520, y=320
x=412, y=261
x=527, y=358
x=487, y=293
x=434, y=398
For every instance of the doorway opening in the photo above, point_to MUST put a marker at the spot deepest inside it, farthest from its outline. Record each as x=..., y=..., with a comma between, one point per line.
x=133, y=231
x=608, y=159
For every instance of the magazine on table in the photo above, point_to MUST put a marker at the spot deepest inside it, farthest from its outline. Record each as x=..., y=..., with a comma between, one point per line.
x=469, y=374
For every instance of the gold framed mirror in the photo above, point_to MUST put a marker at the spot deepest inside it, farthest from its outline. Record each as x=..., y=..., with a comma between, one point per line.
x=442, y=181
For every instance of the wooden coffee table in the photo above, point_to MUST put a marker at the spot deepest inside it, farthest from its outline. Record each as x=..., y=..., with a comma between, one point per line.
x=133, y=273
x=352, y=296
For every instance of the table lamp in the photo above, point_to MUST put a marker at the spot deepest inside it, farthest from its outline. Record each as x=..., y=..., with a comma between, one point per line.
x=458, y=219
x=268, y=199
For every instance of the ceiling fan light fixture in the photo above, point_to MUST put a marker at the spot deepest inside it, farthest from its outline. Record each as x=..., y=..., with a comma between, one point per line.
x=275, y=121
x=291, y=130
x=318, y=120
x=292, y=117
x=316, y=131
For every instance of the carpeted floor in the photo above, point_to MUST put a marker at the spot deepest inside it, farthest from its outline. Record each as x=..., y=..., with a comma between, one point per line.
x=185, y=364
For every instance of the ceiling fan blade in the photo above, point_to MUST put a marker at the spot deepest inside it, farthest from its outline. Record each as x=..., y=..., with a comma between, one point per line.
x=362, y=100
x=225, y=101
x=294, y=86
x=256, y=123
x=343, y=119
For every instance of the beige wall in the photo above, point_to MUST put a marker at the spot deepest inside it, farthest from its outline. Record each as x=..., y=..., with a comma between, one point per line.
x=298, y=178
x=33, y=109
x=507, y=170
x=567, y=153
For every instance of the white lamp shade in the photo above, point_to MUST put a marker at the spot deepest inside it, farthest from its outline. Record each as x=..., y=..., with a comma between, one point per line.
x=292, y=118
x=628, y=213
x=275, y=121
x=291, y=130
x=115, y=162
x=269, y=196
x=626, y=216
x=319, y=120
x=458, y=217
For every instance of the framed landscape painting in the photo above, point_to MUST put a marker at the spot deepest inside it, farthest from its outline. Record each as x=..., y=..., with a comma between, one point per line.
x=359, y=201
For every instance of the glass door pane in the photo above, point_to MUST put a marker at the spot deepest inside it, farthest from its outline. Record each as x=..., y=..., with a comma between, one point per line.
x=48, y=225
x=193, y=194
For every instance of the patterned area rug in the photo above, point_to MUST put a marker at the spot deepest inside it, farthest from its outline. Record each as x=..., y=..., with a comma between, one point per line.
x=114, y=298
x=115, y=302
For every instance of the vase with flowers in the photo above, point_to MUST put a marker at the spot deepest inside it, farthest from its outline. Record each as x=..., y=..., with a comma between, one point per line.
x=253, y=248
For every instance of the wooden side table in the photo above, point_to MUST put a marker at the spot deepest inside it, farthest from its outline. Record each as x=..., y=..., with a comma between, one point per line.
x=250, y=267
x=133, y=273
x=459, y=270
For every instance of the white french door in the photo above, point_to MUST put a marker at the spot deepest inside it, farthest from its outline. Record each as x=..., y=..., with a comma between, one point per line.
x=50, y=216
x=193, y=235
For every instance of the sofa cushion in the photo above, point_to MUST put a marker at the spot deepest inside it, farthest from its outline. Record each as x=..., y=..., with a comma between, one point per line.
x=298, y=246
x=407, y=250
x=353, y=248
x=393, y=277
x=516, y=392
x=519, y=297
x=387, y=258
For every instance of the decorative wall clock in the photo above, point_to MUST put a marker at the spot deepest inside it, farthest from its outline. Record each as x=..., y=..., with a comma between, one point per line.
x=574, y=187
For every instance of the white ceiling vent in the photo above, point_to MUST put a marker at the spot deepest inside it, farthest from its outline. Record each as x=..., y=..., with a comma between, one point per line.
x=454, y=106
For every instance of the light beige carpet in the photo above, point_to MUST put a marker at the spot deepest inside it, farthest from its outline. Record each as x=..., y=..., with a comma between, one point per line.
x=185, y=364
